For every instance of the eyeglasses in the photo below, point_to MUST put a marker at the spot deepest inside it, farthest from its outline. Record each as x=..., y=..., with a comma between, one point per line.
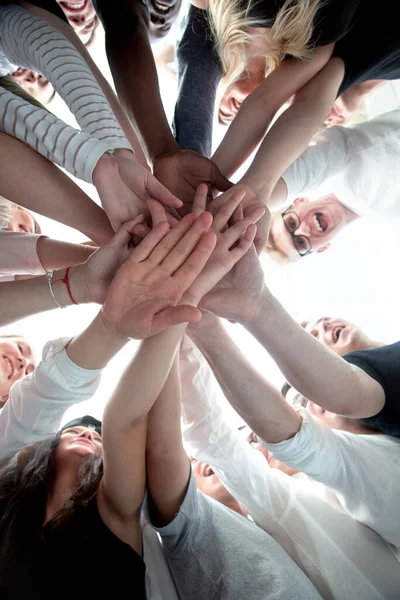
x=292, y=223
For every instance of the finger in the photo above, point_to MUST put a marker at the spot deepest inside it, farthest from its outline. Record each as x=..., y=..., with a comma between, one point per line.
x=123, y=236
x=146, y=246
x=195, y=263
x=186, y=244
x=226, y=211
x=244, y=245
x=157, y=191
x=220, y=200
x=172, y=220
x=231, y=235
x=175, y=236
x=200, y=199
x=157, y=212
x=255, y=212
x=141, y=230
x=218, y=181
x=175, y=315
x=237, y=215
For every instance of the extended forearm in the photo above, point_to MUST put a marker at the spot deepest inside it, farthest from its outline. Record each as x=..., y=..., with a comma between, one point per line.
x=293, y=130
x=46, y=190
x=250, y=394
x=315, y=371
x=135, y=75
x=55, y=254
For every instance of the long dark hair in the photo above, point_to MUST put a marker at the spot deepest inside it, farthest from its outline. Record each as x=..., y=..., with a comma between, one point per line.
x=24, y=484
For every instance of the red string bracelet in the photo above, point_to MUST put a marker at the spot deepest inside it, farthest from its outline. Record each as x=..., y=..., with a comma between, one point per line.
x=65, y=280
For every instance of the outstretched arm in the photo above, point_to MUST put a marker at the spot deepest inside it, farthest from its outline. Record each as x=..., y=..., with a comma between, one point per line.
x=260, y=404
x=315, y=84
x=315, y=371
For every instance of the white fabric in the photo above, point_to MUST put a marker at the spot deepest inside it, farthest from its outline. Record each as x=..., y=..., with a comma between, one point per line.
x=343, y=559
x=18, y=255
x=37, y=402
x=358, y=163
x=28, y=41
x=34, y=411
x=363, y=471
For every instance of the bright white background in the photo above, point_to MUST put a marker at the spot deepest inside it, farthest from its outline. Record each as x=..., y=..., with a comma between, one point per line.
x=357, y=278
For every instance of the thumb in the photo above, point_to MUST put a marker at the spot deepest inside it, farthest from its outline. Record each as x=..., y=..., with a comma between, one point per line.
x=174, y=316
x=125, y=232
x=157, y=191
x=219, y=181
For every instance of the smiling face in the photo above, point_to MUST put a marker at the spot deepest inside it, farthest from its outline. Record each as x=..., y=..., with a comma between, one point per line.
x=82, y=18
x=37, y=86
x=318, y=221
x=16, y=361
x=77, y=443
x=163, y=14
x=339, y=335
x=236, y=93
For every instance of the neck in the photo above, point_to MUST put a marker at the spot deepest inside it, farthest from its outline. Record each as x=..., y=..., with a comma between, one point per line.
x=350, y=214
x=228, y=500
x=63, y=487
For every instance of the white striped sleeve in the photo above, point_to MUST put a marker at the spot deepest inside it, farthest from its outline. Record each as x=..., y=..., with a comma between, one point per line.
x=30, y=42
x=74, y=150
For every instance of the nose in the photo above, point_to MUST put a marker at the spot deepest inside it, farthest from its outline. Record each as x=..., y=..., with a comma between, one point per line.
x=78, y=19
x=303, y=229
x=31, y=76
x=21, y=362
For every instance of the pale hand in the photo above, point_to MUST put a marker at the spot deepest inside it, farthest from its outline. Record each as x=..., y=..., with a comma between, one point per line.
x=182, y=173
x=143, y=296
x=235, y=236
x=238, y=296
x=251, y=201
x=124, y=187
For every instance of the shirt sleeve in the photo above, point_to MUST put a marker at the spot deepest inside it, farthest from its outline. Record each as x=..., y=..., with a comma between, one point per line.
x=199, y=73
x=264, y=492
x=30, y=42
x=329, y=154
x=327, y=455
x=18, y=254
x=37, y=402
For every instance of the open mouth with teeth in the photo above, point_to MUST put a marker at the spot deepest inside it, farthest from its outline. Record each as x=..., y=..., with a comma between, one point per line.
x=74, y=6
x=10, y=369
x=320, y=222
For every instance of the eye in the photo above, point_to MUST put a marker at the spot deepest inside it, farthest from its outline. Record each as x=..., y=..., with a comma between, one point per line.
x=301, y=243
x=292, y=223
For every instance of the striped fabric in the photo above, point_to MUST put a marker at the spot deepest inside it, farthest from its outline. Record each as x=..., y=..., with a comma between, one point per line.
x=30, y=42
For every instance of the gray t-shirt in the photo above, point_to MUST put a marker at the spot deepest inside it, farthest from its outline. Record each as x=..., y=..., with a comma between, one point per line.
x=216, y=554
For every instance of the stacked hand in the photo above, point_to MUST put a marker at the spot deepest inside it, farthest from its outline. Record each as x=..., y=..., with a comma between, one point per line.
x=124, y=187
x=182, y=173
x=143, y=297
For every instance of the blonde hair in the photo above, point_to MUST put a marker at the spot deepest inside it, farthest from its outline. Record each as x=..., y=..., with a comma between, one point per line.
x=271, y=248
x=289, y=35
x=8, y=208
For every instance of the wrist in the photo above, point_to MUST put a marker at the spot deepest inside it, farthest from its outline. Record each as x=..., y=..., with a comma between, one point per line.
x=77, y=282
x=257, y=189
x=109, y=331
x=168, y=149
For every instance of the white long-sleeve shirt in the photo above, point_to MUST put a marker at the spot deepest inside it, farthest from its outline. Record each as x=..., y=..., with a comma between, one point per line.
x=358, y=163
x=34, y=412
x=30, y=42
x=18, y=255
x=363, y=471
x=343, y=559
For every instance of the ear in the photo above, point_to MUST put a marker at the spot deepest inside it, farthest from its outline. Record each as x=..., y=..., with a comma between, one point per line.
x=323, y=248
x=300, y=200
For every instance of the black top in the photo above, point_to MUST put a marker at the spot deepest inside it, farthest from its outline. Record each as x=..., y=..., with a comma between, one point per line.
x=367, y=40
x=383, y=365
x=86, y=560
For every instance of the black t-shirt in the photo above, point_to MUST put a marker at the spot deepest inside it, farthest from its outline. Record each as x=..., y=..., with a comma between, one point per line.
x=383, y=365
x=84, y=560
x=366, y=39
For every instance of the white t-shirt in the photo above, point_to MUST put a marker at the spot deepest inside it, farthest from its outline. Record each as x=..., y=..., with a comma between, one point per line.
x=360, y=164
x=344, y=559
x=18, y=255
x=363, y=471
